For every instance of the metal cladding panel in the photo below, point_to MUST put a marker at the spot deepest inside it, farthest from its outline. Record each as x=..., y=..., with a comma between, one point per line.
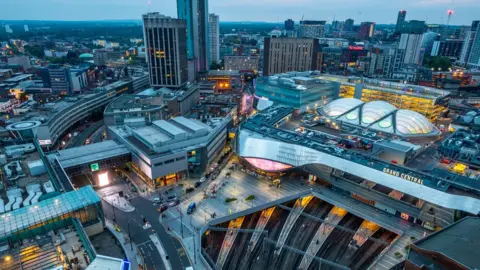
x=252, y=145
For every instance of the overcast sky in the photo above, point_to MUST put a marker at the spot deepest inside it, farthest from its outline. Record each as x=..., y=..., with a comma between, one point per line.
x=380, y=11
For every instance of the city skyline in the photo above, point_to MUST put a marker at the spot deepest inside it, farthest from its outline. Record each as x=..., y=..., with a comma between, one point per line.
x=433, y=11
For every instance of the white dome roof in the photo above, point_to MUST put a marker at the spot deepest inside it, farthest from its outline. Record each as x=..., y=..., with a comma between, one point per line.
x=412, y=123
x=341, y=106
x=375, y=110
x=378, y=115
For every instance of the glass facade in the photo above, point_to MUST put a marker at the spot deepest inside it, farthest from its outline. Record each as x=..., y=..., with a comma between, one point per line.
x=297, y=97
x=52, y=213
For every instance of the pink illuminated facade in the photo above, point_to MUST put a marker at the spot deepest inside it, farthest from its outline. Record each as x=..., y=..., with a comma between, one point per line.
x=268, y=165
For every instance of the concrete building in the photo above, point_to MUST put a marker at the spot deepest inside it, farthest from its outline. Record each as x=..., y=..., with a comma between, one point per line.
x=412, y=45
x=467, y=46
x=311, y=29
x=334, y=42
x=413, y=27
x=366, y=30
x=58, y=117
x=195, y=14
x=235, y=62
x=225, y=80
x=402, y=14
x=451, y=48
x=294, y=90
x=474, y=57
x=166, y=151
x=133, y=110
x=289, y=54
x=180, y=101
x=167, y=61
x=214, y=38
x=58, y=78
x=101, y=57
x=22, y=60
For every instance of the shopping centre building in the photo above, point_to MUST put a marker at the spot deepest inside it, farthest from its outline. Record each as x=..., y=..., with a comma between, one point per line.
x=434, y=198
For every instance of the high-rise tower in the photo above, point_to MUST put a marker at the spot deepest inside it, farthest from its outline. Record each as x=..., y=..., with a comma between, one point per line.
x=166, y=48
x=402, y=15
x=195, y=13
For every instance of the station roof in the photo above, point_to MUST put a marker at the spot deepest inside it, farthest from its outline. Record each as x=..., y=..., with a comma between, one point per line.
x=48, y=209
x=90, y=153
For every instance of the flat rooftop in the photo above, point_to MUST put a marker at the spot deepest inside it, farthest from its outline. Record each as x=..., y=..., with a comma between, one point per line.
x=89, y=153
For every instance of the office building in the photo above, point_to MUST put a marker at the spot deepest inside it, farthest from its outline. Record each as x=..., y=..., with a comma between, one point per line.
x=366, y=30
x=333, y=42
x=289, y=54
x=214, y=41
x=296, y=91
x=195, y=13
x=167, y=61
x=428, y=39
x=242, y=62
x=402, y=14
x=474, y=57
x=58, y=78
x=311, y=29
x=102, y=57
x=451, y=48
x=289, y=25
x=226, y=50
x=348, y=25
x=167, y=151
x=412, y=45
x=225, y=80
x=467, y=43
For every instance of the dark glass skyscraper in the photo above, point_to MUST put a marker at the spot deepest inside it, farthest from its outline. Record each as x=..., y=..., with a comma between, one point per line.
x=195, y=13
x=402, y=15
x=165, y=41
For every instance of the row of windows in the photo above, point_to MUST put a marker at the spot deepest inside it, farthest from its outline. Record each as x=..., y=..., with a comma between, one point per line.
x=168, y=161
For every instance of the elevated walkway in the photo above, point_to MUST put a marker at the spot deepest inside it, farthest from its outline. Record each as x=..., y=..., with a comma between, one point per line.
x=229, y=240
x=262, y=222
x=300, y=205
x=332, y=220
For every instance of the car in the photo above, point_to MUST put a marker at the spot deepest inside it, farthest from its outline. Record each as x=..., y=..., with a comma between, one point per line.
x=171, y=198
x=191, y=208
x=189, y=189
x=173, y=203
x=197, y=184
x=75, y=134
x=203, y=179
x=157, y=200
x=162, y=208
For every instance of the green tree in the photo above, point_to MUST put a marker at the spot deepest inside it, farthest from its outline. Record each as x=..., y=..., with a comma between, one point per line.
x=35, y=50
x=215, y=66
x=440, y=62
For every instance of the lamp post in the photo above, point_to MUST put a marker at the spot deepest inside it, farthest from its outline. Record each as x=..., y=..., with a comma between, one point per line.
x=130, y=234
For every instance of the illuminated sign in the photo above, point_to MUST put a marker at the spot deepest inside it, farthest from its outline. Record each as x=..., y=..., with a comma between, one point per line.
x=403, y=176
x=355, y=48
x=94, y=167
x=44, y=142
x=404, y=216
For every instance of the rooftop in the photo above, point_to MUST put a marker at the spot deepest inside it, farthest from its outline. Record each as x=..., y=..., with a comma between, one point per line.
x=458, y=242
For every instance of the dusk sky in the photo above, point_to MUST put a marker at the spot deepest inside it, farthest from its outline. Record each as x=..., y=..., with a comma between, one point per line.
x=380, y=11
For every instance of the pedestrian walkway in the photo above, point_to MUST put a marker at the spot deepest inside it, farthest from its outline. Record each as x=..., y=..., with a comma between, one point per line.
x=119, y=202
x=397, y=251
x=366, y=230
x=228, y=241
x=331, y=221
x=129, y=248
x=292, y=218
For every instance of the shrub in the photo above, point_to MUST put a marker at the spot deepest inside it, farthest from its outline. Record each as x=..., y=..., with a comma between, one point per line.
x=228, y=200
x=249, y=198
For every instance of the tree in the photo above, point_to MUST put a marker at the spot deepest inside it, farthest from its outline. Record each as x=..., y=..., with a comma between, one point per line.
x=215, y=66
x=440, y=62
x=35, y=50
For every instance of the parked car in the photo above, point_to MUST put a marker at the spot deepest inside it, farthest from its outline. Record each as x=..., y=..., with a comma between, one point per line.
x=191, y=208
x=173, y=203
x=171, y=198
x=189, y=189
x=203, y=179
x=197, y=184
